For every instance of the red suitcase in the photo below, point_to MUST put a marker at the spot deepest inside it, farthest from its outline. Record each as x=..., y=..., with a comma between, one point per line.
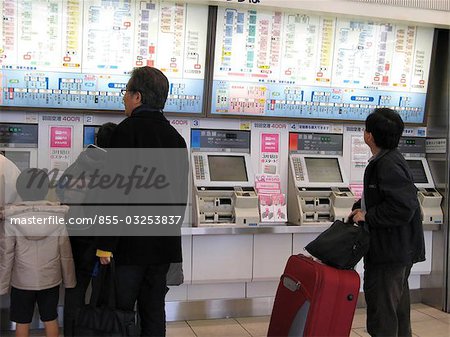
x=314, y=299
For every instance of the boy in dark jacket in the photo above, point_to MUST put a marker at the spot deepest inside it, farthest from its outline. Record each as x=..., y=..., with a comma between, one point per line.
x=72, y=190
x=391, y=212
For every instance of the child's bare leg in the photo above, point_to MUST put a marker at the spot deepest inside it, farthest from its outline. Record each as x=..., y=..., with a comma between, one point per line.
x=51, y=328
x=22, y=329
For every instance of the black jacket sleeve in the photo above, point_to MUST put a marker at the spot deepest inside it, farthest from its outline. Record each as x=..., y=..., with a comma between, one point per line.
x=393, y=196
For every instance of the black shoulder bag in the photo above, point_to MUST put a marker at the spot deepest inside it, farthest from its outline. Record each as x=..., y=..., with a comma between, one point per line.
x=342, y=245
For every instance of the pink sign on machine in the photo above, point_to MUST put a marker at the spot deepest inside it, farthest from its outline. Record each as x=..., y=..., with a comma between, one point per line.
x=60, y=137
x=269, y=154
x=270, y=142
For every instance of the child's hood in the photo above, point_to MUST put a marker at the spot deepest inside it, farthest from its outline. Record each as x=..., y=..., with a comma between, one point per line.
x=34, y=219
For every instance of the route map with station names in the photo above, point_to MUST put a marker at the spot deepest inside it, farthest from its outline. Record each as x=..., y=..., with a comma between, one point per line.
x=78, y=54
x=319, y=67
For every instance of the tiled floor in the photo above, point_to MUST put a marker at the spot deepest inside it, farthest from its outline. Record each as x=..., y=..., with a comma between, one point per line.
x=426, y=322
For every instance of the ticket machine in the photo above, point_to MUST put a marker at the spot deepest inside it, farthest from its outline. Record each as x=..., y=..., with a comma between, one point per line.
x=90, y=134
x=19, y=142
x=413, y=149
x=223, y=179
x=317, y=185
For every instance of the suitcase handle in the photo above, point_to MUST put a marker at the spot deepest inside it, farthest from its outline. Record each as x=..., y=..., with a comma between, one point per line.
x=292, y=284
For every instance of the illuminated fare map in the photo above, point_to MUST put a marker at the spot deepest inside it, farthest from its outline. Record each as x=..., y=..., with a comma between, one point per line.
x=78, y=54
x=284, y=64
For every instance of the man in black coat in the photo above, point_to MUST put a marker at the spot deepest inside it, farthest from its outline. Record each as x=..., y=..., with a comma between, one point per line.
x=391, y=212
x=146, y=141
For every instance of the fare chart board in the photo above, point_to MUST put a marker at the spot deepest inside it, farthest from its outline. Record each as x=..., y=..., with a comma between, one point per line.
x=284, y=64
x=79, y=53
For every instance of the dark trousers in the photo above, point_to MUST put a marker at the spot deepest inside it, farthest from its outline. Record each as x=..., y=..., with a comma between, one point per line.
x=74, y=298
x=83, y=250
x=386, y=292
x=147, y=286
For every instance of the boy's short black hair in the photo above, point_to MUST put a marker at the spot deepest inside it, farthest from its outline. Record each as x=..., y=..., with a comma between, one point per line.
x=32, y=184
x=104, y=134
x=386, y=127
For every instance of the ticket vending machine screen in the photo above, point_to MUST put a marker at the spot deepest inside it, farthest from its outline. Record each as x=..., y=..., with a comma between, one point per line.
x=18, y=143
x=227, y=168
x=89, y=135
x=20, y=158
x=323, y=170
x=418, y=171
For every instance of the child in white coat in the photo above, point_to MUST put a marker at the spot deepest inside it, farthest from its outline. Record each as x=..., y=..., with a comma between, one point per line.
x=35, y=254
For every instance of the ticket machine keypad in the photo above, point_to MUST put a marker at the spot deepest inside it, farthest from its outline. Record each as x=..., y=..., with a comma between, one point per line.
x=199, y=168
x=298, y=169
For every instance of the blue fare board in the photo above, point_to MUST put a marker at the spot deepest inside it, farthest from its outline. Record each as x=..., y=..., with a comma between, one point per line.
x=25, y=88
x=313, y=102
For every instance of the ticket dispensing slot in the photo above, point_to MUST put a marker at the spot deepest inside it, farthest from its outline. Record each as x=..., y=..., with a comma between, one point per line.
x=318, y=188
x=223, y=181
x=214, y=209
x=244, y=207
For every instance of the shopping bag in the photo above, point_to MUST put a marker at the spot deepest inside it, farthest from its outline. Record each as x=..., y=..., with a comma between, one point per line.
x=342, y=245
x=104, y=319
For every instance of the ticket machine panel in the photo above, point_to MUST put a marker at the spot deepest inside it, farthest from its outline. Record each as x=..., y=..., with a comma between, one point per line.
x=317, y=170
x=223, y=178
x=212, y=140
x=421, y=172
x=19, y=142
x=318, y=186
x=412, y=146
x=219, y=169
x=413, y=149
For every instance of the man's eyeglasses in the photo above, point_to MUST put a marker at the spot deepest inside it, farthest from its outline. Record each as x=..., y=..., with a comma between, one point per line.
x=124, y=91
